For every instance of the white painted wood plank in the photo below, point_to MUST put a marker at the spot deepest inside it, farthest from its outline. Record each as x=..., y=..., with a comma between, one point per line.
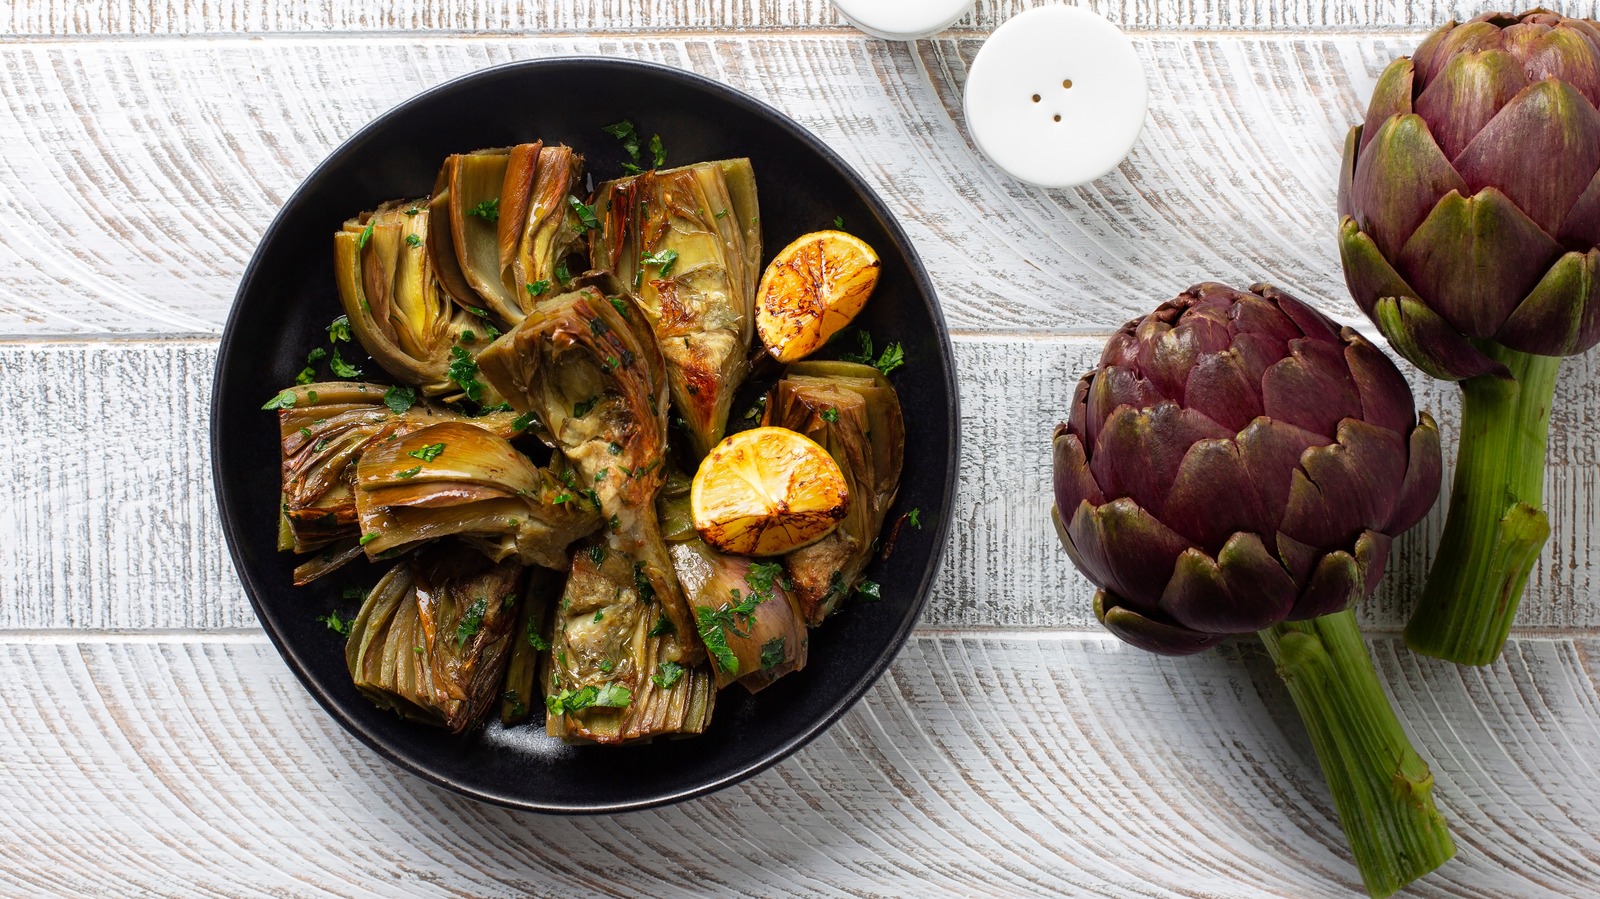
x=112, y=523
x=139, y=174
x=981, y=766
x=179, y=17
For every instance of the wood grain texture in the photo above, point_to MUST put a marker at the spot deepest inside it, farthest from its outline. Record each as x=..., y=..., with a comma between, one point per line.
x=114, y=526
x=86, y=18
x=986, y=766
x=140, y=174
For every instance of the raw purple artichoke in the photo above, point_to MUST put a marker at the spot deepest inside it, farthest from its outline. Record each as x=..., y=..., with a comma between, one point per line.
x=1238, y=463
x=1470, y=218
x=1237, y=460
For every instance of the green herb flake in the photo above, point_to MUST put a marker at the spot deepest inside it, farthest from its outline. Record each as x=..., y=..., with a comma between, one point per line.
x=284, y=400
x=368, y=538
x=427, y=453
x=607, y=666
x=624, y=131
x=915, y=517
x=342, y=368
x=893, y=357
x=366, y=235
x=585, y=214
x=488, y=210
x=838, y=222
x=667, y=674
x=471, y=622
x=468, y=337
x=518, y=707
x=339, y=329
x=352, y=592
x=306, y=376
x=756, y=411
x=463, y=371
x=772, y=653
x=337, y=623
x=415, y=210
x=662, y=628
x=665, y=260
x=870, y=591
x=584, y=408
x=613, y=696
x=620, y=305
x=830, y=414
x=399, y=399
x=561, y=273
x=539, y=643
x=538, y=288
x=409, y=473
x=413, y=240
x=523, y=421
x=658, y=153
x=597, y=553
x=614, y=449
x=722, y=215
x=306, y=433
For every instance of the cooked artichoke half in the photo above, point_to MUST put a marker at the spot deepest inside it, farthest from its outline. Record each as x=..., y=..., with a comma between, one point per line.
x=618, y=669
x=391, y=296
x=322, y=435
x=688, y=243
x=458, y=479
x=586, y=365
x=753, y=629
x=854, y=413
x=431, y=641
x=506, y=224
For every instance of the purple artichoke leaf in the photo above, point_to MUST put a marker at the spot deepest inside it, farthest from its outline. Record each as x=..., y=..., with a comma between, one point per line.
x=1392, y=96
x=1399, y=178
x=1561, y=317
x=1243, y=590
x=1148, y=634
x=1419, y=334
x=1548, y=121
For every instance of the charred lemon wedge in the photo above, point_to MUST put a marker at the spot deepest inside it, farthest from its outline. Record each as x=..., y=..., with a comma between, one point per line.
x=767, y=491
x=814, y=287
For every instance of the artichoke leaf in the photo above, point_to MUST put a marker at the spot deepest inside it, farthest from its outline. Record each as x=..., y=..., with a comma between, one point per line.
x=687, y=241
x=754, y=630
x=538, y=228
x=519, y=698
x=458, y=479
x=851, y=411
x=432, y=639
x=466, y=203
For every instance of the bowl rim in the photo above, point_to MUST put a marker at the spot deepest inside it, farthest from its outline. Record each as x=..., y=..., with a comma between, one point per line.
x=849, y=698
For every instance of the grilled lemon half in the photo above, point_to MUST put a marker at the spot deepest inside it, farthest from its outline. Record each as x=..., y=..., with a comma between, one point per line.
x=814, y=287
x=767, y=491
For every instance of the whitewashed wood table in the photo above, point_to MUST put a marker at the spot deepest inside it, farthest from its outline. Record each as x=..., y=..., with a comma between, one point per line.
x=152, y=742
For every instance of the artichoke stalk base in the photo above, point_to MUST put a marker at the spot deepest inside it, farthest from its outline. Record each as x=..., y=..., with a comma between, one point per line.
x=1496, y=527
x=1382, y=789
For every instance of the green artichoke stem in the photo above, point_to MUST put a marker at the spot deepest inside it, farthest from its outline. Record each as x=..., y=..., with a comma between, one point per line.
x=1382, y=789
x=1496, y=526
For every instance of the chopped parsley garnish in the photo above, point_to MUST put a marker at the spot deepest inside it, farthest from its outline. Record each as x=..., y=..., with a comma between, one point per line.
x=284, y=400
x=722, y=215
x=488, y=209
x=538, y=288
x=607, y=666
x=614, y=449
x=468, y=337
x=562, y=498
x=409, y=473
x=714, y=624
x=399, y=399
x=471, y=622
x=537, y=642
x=869, y=590
x=414, y=210
x=830, y=414
x=600, y=616
x=893, y=355
x=366, y=235
x=624, y=131
x=337, y=623
x=613, y=696
x=464, y=372
x=342, y=368
x=772, y=653
x=662, y=628
x=666, y=259
x=518, y=707
x=586, y=219
x=597, y=553
x=427, y=453
x=838, y=222
x=353, y=592
x=339, y=329
x=915, y=517
x=521, y=422
x=642, y=585
x=658, y=153
x=620, y=304
x=667, y=674
x=368, y=538
x=413, y=240
x=561, y=273
x=306, y=433
x=756, y=410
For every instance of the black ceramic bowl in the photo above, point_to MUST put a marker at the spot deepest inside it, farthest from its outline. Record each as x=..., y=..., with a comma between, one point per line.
x=288, y=297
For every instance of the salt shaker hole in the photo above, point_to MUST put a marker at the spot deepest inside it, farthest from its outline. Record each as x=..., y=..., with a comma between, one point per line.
x=1067, y=84
x=1036, y=98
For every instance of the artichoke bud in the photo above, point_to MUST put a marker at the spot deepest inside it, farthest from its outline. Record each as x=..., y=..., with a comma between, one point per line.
x=851, y=411
x=392, y=298
x=432, y=640
x=753, y=628
x=687, y=242
x=456, y=479
x=618, y=670
x=325, y=431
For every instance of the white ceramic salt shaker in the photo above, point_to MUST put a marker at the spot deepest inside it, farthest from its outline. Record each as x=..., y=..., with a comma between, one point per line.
x=902, y=20
x=1056, y=96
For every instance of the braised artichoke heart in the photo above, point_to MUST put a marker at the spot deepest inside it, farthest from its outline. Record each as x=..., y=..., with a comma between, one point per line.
x=753, y=628
x=586, y=365
x=687, y=241
x=391, y=295
x=458, y=479
x=854, y=413
x=431, y=641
